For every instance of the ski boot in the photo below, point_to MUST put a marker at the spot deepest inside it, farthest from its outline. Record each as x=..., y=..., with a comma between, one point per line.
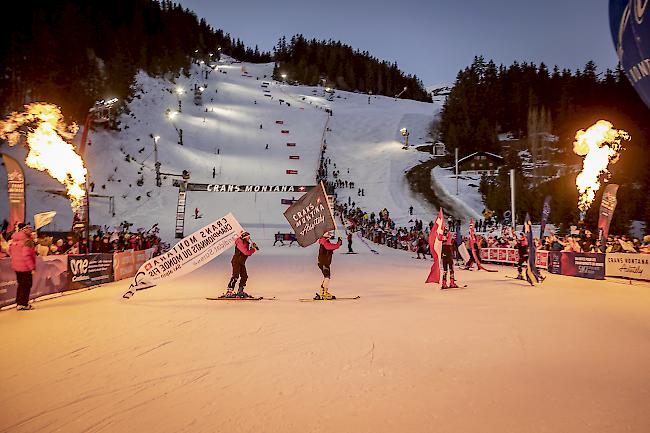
x=229, y=294
x=324, y=295
x=452, y=283
x=242, y=294
x=520, y=276
x=443, y=285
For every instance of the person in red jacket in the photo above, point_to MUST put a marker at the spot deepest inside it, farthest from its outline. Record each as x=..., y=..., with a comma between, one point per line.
x=324, y=262
x=243, y=249
x=23, y=262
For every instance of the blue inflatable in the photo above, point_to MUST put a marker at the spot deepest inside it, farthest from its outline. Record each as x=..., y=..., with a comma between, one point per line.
x=631, y=34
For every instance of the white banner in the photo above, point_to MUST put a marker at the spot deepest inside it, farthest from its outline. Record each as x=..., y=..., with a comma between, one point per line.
x=188, y=254
x=626, y=265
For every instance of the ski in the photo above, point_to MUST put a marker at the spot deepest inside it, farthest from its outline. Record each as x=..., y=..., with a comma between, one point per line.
x=261, y=298
x=326, y=300
x=464, y=286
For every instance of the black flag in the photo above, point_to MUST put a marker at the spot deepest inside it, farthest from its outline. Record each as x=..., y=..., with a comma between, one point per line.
x=310, y=216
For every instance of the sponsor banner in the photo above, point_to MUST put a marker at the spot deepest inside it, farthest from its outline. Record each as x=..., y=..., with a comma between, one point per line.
x=607, y=206
x=546, y=211
x=189, y=253
x=511, y=256
x=583, y=265
x=126, y=263
x=87, y=270
x=50, y=277
x=212, y=187
x=310, y=216
x=15, y=190
x=634, y=266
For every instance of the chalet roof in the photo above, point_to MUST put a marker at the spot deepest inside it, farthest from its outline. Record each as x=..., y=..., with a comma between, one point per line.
x=475, y=153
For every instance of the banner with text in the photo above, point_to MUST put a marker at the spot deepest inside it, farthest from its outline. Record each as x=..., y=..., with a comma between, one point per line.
x=624, y=265
x=86, y=270
x=310, y=216
x=511, y=256
x=189, y=253
x=607, y=206
x=583, y=265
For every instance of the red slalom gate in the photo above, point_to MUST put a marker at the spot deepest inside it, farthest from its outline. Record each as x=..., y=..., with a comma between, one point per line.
x=294, y=157
x=291, y=144
x=292, y=171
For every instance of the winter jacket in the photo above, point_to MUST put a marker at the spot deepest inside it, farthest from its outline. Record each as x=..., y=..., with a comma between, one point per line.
x=22, y=252
x=326, y=250
x=242, y=251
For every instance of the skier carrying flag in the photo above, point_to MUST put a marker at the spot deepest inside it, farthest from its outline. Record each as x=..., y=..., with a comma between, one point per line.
x=325, y=253
x=447, y=258
x=243, y=250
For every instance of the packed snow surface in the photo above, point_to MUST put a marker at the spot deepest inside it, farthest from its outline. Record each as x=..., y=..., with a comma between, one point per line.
x=498, y=356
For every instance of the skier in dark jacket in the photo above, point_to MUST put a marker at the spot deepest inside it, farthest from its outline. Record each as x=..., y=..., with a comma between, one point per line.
x=324, y=262
x=522, y=250
x=243, y=250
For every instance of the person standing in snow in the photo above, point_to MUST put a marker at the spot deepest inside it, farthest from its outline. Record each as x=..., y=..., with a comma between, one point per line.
x=325, y=253
x=350, y=242
x=447, y=258
x=243, y=249
x=23, y=262
x=522, y=251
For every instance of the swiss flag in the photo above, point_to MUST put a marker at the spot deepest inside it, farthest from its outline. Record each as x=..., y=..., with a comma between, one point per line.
x=435, y=245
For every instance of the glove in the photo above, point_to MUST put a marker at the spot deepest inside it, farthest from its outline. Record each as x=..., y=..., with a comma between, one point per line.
x=255, y=246
x=340, y=240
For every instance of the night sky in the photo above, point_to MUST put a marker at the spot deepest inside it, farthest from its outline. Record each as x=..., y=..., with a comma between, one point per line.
x=433, y=39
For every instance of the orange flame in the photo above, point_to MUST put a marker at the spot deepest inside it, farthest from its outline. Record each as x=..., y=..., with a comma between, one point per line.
x=600, y=144
x=48, y=141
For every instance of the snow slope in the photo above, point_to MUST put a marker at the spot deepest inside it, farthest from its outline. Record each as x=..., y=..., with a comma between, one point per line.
x=227, y=137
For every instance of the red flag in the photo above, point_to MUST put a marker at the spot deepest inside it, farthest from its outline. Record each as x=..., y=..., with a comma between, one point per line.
x=435, y=245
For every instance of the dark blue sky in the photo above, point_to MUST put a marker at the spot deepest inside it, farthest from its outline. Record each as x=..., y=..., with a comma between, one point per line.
x=433, y=39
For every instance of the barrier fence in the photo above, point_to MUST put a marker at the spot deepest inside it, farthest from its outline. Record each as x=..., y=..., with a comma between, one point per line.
x=584, y=265
x=57, y=274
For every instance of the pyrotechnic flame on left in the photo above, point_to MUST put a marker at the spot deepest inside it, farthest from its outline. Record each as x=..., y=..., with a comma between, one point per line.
x=600, y=144
x=48, y=141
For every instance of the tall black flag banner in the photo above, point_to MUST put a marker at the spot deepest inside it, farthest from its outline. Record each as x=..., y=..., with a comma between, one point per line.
x=310, y=216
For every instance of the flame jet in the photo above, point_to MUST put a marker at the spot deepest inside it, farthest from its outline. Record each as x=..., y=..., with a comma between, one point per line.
x=48, y=141
x=600, y=144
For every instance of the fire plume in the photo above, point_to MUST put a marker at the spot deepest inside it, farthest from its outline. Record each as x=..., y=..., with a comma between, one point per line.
x=600, y=144
x=48, y=141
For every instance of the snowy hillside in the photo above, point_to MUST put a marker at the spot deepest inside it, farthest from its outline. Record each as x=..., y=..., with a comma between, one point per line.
x=228, y=133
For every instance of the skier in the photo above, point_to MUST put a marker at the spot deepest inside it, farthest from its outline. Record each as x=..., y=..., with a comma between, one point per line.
x=421, y=247
x=350, y=242
x=410, y=210
x=325, y=253
x=243, y=250
x=447, y=258
x=214, y=172
x=196, y=213
x=522, y=251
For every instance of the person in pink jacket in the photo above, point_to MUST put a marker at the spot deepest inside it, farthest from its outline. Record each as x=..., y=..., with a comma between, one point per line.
x=324, y=262
x=243, y=250
x=23, y=262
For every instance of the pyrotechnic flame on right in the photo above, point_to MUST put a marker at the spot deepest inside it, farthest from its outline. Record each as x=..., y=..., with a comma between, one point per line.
x=48, y=140
x=600, y=144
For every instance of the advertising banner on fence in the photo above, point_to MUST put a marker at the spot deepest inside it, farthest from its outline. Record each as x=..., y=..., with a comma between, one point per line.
x=50, y=277
x=86, y=270
x=188, y=254
x=126, y=263
x=634, y=266
x=511, y=256
x=310, y=216
x=583, y=265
